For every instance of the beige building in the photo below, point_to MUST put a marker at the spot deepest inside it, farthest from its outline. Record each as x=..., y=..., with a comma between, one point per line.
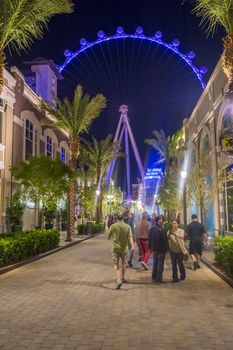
x=21, y=135
x=204, y=130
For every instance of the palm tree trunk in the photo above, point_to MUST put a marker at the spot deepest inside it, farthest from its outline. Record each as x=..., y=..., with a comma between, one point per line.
x=101, y=204
x=72, y=197
x=228, y=59
x=70, y=212
x=2, y=64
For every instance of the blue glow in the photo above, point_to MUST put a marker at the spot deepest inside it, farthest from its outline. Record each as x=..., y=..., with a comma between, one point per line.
x=154, y=173
x=156, y=38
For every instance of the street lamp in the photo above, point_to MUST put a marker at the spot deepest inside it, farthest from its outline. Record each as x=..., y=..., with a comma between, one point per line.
x=183, y=175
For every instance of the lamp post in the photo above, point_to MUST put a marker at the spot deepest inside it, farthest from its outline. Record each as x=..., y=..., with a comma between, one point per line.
x=183, y=175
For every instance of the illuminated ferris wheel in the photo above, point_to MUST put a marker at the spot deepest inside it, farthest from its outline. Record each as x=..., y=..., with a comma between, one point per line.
x=124, y=131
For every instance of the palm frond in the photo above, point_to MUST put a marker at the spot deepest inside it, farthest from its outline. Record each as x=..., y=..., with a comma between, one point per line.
x=22, y=21
x=213, y=13
x=159, y=143
x=91, y=111
x=60, y=113
x=99, y=154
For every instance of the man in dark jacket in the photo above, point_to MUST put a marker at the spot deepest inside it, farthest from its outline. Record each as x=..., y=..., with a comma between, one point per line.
x=158, y=243
x=197, y=234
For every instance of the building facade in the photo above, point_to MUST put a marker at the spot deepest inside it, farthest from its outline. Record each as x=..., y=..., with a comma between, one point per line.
x=204, y=130
x=21, y=133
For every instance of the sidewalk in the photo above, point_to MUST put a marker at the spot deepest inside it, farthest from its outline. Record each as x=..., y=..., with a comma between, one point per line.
x=68, y=301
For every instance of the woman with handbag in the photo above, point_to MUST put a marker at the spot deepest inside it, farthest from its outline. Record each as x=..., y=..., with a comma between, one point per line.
x=177, y=250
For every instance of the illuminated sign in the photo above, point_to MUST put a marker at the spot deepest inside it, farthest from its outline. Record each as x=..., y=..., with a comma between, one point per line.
x=154, y=174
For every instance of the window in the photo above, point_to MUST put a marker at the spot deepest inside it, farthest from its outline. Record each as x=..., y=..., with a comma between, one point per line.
x=206, y=143
x=49, y=146
x=29, y=138
x=63, y=154
x=193, y=158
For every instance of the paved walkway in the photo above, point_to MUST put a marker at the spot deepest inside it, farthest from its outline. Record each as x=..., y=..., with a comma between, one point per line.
x=67, y=301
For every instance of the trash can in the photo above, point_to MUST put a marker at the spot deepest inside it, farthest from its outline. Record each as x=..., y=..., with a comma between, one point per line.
x=89, y=227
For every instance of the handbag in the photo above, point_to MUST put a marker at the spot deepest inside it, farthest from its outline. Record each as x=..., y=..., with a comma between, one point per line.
x=185, y=257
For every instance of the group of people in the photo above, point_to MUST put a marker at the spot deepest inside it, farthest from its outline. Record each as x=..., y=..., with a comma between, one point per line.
x=151, y=238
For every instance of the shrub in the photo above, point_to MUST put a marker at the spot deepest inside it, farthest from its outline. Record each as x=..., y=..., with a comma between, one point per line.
x=224, y=252
x=167, y=226
x=81, y=229
x=15, y=247
x=98, y=227
x=15, y=209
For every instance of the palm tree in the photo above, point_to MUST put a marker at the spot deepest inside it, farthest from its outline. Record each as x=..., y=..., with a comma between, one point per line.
x=98, y=156
x=166, y=146
x=213, y=13
x=22, y=21
x=75, y=118
x=160, y=143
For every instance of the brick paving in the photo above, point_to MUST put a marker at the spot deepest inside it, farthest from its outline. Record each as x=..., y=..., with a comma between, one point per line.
x=67, y=301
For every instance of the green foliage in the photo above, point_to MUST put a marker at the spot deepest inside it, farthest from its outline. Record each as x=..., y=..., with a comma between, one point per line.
x=224, y=252
x=86, y=198
x=81, y=229
x=201, y=186
x=214, y=12
x=98, y=227
x=167, y=147
x=160, y=143
x=15, y=247
x=49, y=212
x=168, y=194
x=22, y=21
x=167, y=225
x=97, y=155
x=63, y=213
x=74, y=117
x=43, y=179
x=15, y=209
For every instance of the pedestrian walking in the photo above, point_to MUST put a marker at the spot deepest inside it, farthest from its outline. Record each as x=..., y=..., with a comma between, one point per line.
x=197, y=236
x=120, y=233
x=142, y=233
x=177, y=251
x=110, y=221
x=129, y=219
x=158, y=243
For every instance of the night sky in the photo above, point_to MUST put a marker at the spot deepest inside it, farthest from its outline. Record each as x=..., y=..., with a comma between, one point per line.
x=159, y=88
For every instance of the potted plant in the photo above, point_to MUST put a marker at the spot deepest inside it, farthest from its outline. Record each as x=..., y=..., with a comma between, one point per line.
x=49, y=213
x=15, y=211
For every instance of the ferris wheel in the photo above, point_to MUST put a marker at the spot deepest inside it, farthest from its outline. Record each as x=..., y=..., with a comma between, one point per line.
x=86, y=52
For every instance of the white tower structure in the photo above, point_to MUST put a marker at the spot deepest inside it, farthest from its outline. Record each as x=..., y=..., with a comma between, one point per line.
x=124, y=129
